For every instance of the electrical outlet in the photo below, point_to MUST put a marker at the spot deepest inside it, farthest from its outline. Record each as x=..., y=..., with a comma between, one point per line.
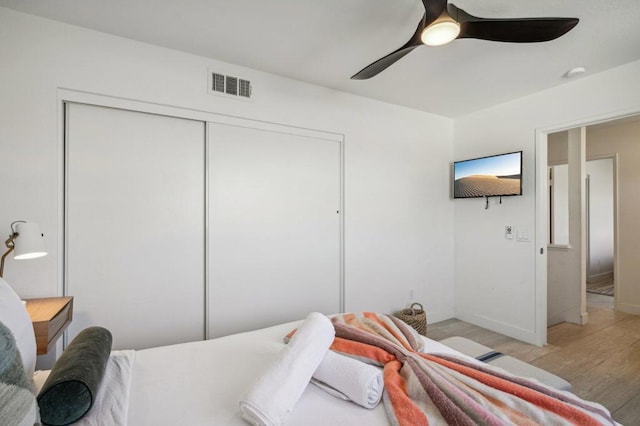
x=508, y=232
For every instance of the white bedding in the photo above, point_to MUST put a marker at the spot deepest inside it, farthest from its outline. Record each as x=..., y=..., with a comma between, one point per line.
x=201, y=383
x=112, y=401
x=111, y=405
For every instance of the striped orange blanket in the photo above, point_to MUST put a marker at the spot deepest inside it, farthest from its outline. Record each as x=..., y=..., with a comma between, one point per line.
x=422, y=389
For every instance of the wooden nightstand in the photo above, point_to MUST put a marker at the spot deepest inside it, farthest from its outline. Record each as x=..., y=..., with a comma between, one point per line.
x=50, y=317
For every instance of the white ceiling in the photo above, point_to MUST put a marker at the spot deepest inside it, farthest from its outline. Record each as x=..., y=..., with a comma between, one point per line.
x=325, y=42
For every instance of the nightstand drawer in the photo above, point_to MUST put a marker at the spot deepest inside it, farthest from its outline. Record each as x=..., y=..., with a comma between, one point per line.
x=57, y=326
x=50, y=318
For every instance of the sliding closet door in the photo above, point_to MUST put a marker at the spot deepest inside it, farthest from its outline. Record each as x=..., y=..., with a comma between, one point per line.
x=274, y=227
x=135, y=216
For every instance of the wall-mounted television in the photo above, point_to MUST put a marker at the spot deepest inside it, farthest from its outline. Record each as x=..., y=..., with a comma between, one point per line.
x=493, y=176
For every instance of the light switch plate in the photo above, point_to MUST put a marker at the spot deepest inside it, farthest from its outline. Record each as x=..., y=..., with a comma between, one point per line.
x=523, y=235
x=508, y=232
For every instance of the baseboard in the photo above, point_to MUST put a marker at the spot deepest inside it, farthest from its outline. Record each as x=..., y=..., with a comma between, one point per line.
x=627, y=308
x=584, y=318
x=437, y=316
x=518, y=333
x=602, y=277
x=571, y=314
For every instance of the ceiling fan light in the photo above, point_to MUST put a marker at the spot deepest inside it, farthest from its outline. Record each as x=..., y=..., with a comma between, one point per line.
x=440, y=32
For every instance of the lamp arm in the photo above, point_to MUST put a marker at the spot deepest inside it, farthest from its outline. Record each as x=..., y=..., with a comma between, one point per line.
x=10, y=245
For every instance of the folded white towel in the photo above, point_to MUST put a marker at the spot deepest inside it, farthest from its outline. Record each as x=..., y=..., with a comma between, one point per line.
x=271, y=400
x=349, y=379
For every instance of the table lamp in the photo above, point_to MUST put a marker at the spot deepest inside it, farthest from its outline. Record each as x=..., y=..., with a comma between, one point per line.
x=26, y=240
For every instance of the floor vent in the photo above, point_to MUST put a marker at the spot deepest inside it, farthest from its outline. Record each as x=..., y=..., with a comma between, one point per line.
x=229, y=86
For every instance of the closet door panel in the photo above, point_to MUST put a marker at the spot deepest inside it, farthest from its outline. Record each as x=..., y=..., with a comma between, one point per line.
x=274, y=227
x=135, y=225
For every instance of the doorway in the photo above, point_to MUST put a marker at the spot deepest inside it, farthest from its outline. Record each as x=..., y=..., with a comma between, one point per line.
x=617, y=136
x=567, y=256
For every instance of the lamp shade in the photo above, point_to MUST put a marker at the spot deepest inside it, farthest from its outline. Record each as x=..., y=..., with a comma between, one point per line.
x=29, y=243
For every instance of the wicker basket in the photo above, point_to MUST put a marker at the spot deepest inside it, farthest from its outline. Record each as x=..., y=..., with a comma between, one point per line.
x=415, y=317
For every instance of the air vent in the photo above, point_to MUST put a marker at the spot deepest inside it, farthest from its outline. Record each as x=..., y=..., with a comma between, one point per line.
x=245, y=88
x=218, y=83
x=229, y=86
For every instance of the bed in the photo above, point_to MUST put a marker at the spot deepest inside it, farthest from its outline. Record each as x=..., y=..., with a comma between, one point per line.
x=202, y=383
x=227, y=368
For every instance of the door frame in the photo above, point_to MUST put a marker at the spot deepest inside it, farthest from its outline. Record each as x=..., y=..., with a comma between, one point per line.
x=542, y=209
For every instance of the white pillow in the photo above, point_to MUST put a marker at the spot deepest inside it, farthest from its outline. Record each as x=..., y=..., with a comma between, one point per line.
x=14, y=315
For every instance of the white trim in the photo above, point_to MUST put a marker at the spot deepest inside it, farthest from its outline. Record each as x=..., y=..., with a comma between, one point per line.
x=558, y=247
x=628, y=308
x=541, y=239
x=617, y=305
x=582, y=132
x=587, y=235
x=69, y=95
x=590, y=121
x=62, y=246
x=541, y=202
x=524, y=334
x=62, y=223
x=206, y=230
x=342, y=233
x=603, y=276
x=584, y=318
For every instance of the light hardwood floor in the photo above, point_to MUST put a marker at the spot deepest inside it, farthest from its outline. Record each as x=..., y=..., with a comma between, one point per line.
x=601, y=359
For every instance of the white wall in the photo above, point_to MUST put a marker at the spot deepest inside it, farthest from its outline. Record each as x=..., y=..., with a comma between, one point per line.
x=398, y=215
x=495, y=277
x=560, y=203
x=623, y=139
x=600, y=224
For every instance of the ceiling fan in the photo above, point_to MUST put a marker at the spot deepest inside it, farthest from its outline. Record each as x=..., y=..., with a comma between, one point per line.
x=443, y=23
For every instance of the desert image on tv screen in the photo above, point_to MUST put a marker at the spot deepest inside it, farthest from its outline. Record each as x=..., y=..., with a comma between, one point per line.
x=489, y=176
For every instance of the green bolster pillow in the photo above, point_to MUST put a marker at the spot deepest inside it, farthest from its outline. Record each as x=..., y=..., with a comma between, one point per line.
x=17, y=399
x=69, y=392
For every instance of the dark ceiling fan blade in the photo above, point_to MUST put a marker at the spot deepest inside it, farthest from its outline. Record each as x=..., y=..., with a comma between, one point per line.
x=388, y=60
x=524, y=30
x=433, y=9
x=383, y=63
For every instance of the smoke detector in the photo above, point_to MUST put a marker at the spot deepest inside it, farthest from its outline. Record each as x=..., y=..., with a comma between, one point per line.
x=575, y=72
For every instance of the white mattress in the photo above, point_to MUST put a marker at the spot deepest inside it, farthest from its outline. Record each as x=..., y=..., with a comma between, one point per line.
x=201, y=383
